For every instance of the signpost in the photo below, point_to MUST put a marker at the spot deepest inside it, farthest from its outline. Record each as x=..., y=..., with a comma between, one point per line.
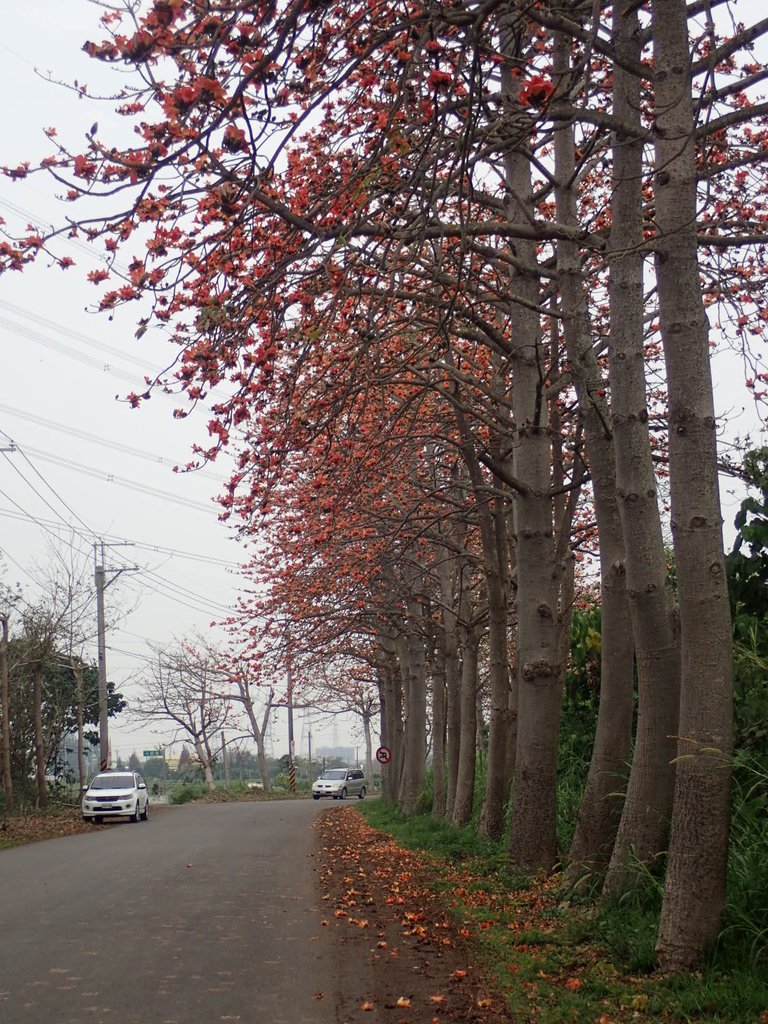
x=383, y=755
x=152, y=753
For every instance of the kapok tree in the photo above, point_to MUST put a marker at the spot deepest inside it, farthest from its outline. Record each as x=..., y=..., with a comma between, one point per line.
x=254, y=102
x=343, y=543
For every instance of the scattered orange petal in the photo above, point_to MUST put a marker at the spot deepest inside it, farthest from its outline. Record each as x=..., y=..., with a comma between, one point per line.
x=366, y=1006
x=403, y=1001
x=573, y=984
x=437, y=999
x=459, y=974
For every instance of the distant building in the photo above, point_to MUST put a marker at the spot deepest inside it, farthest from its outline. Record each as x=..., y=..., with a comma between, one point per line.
x=66, y=756
x=337, y=753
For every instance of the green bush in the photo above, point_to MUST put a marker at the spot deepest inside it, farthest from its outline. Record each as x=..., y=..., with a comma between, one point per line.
x=628, y=924
x=745, y=936
x=187, y=791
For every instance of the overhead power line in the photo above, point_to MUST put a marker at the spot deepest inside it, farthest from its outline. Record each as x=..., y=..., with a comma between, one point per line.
x=196, y=606
x=81, y=357
x=162, y=584
x=42, y=223
x=111, y=478
x=102, y=441
x=45, y=482
x=141, y=545
x=156, y=583
x=46, y=529
x=98, y=346
x=164, y=587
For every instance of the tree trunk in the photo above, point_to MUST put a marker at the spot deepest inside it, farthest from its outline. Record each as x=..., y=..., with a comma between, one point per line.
x=77, y=670
x=694, y=893
x=599, y=812
x=453, y=696
x=5, y=720
x=204, y=757
x=644, y=827
x=492, y=525
x=514, y=696
x=439, y=798
x=449, y=573
x=532, y=842
x=368, y=741
x=257, y=731
x=497, y=781
x=465, y=780
x=42, y=786
x=390, y=691
x=415, y=736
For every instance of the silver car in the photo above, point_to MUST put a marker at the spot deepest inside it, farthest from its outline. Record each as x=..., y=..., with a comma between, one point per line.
x=340, y=783
x=116, y=794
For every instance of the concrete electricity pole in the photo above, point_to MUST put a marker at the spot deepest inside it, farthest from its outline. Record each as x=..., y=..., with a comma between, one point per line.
x=5, y=722
x=99, y=575
x=289, y=702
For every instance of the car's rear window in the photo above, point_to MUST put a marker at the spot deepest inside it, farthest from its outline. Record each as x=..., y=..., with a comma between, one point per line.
x=113, y=782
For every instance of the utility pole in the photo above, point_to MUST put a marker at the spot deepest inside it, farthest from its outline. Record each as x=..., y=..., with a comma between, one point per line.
x=99, y=575
x=5, y=721
x=289, y=702
x=224, y=761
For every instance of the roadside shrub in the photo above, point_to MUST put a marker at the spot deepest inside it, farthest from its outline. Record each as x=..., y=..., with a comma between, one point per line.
x=628, y=924
x=186, y=792
x=238, y=790
x=745, y=935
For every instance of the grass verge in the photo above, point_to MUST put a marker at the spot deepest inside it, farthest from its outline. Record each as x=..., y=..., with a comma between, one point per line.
x=560, y=962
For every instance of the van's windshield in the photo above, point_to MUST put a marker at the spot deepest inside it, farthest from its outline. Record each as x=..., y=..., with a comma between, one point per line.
x=113, y=782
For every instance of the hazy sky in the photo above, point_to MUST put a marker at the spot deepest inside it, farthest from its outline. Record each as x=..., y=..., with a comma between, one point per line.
x=86, y=461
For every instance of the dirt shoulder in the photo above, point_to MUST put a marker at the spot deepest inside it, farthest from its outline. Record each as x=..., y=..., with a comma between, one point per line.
x=16, y=830
x=401, y=959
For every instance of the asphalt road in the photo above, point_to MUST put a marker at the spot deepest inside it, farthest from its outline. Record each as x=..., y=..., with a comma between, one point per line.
x=206, y=913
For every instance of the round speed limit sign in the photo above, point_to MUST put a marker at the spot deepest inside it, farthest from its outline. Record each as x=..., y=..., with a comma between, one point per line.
x=383, y=755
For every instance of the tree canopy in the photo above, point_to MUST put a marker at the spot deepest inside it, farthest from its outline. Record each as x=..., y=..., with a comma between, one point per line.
x=440, y=278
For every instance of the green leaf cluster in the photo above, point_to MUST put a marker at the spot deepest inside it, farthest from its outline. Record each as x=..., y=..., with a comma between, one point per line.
x=747, y=566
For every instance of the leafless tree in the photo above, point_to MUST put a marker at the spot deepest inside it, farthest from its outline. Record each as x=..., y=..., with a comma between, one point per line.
x=187, y=687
